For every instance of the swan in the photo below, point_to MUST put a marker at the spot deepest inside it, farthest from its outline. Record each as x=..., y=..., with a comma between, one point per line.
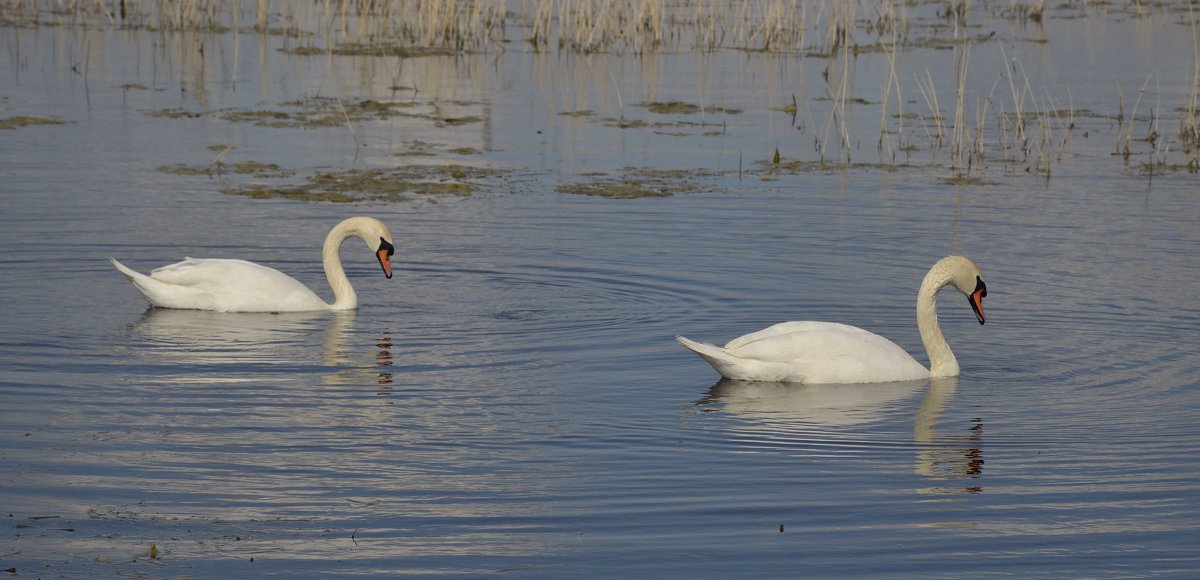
x=239, y=286
x=829, y=352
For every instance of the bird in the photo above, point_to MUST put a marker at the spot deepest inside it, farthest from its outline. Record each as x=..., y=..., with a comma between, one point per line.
x=227, y=285
x=828, y=352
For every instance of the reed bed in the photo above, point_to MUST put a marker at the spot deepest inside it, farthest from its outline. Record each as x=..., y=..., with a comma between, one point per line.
x=932, y=113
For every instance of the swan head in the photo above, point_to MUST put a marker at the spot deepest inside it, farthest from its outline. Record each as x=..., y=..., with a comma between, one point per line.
x=968, y=279
x=372, y=231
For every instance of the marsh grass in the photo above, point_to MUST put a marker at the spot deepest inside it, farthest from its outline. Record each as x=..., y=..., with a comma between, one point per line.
x=1189, y=120
x=1015, y=124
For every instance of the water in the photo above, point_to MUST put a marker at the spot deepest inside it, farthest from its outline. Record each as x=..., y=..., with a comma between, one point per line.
x=513, y=401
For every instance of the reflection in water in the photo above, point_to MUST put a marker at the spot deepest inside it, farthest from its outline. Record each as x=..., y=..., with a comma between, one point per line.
x=946, y=458
x=200, y=337
x=224, y=421
x=239, y=342
x=787, y=407
x=820, y=416
x=383, y=359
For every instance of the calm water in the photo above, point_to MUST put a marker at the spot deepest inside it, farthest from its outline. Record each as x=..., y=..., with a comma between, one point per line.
x=513, y=400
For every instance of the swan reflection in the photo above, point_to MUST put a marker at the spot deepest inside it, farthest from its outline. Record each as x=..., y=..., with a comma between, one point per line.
x=241, y=342
x=798, y=414
x=787, y=407
x=203, y=337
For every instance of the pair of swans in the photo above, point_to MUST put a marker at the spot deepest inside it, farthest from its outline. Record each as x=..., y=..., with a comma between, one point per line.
x=795, y=352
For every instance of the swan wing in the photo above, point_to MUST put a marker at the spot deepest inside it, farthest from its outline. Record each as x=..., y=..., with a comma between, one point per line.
x=224, y=285
x=811, y=352
x=786, y=328
x=222, y=273
x=829, y=352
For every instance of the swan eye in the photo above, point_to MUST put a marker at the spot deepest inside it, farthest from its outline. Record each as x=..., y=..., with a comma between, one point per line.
x=980, y=287
x=385, y=245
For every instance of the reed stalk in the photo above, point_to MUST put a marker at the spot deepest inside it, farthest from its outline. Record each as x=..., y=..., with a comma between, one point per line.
x=1189, y=131
x=959, y=142
x=929, y=92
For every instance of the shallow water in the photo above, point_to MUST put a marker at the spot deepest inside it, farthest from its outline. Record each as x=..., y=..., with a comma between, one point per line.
x=513, y=401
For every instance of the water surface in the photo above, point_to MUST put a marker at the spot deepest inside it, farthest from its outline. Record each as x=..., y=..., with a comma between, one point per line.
x=513, y=401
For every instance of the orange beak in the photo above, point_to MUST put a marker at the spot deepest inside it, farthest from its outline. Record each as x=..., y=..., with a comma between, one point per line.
x=976, y=300
x=385, y=261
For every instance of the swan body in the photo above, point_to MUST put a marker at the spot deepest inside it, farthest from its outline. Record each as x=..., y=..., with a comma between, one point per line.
x=239, y=286
x=829, y=352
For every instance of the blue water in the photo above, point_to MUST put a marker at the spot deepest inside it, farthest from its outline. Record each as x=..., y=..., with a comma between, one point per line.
x=513, y=401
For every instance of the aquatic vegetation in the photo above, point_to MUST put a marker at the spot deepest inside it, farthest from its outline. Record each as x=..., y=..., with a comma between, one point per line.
x=623, y=123
x=622, y=189
x=317, y=112
x=26, y=121
x=456, y=121
x=314, y=112
x=258, y=169
x=684, y=108
x=929, y=114
x=252, y=168
x=672, y=108
x=373, y=49
x=181, y=169
x=377, y=184
x=636, y=183
x=173, y=113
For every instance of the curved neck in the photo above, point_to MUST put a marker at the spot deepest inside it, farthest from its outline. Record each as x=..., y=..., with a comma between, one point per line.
x=941, y=360
x=344, y=297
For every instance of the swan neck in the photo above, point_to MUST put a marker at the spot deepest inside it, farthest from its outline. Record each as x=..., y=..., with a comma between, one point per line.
x=941, y=359
x=344, y=297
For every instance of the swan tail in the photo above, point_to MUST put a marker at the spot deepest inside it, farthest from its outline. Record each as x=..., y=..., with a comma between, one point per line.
x=716, y=356
x=745, y=369
x=705, y=350
x=149, y=287
x=126, y=270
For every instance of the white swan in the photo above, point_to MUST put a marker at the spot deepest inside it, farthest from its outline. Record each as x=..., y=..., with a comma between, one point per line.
x=241, y=286
x=828, y=352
